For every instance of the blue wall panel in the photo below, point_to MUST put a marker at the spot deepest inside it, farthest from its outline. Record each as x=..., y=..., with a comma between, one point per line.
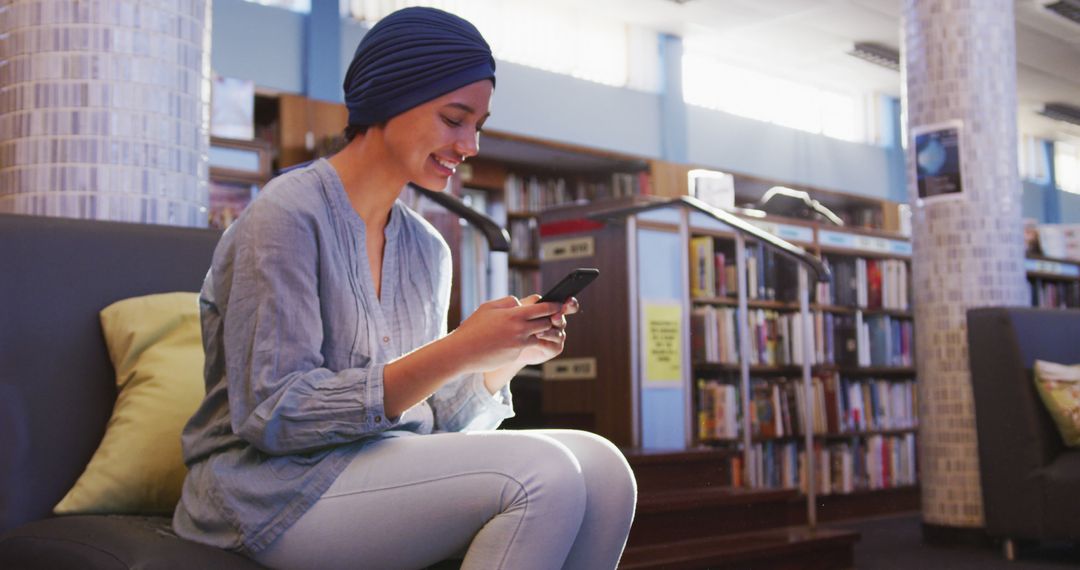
x=558, y=107
x=726, y=141
x=1032, y=201
x=1070, y=208
x=260, y=43
x=660, y=278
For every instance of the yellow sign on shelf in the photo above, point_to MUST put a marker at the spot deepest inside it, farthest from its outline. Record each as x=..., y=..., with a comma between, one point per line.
x=662, y=336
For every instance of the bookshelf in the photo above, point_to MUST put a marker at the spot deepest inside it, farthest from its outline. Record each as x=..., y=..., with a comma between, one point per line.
x=863, y=388
x=519, y=179
x=859, y=351
x=1054, y=283
x=523, y=177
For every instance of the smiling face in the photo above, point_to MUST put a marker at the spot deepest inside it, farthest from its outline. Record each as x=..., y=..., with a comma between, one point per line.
x=427, y=142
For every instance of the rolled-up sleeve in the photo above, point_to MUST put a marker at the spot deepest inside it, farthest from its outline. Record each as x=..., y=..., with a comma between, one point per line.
x=282, y=398
x=465, y=404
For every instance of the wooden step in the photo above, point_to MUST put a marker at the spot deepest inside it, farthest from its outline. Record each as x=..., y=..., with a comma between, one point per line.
x=666, y=470
x=666, y=516
x=774, y=549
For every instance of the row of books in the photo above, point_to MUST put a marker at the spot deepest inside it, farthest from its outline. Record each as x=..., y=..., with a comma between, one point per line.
x=718, y=409
x=776, y=338
x=856, y=281
x=843, y=405
x=1054, y=294
x=533, y=194
x=713, y=271
x=778, y=407
x=865, y=283
x=884, y=341
x=876, y=462
x=524, y=282
x=524, y=238
x=864, y=404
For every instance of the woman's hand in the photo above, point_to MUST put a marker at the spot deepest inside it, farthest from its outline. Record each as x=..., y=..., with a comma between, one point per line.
x=500, y=331
x=553, y=339
x=548, y=344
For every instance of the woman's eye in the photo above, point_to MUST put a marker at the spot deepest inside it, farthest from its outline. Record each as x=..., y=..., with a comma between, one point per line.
x=452, y=122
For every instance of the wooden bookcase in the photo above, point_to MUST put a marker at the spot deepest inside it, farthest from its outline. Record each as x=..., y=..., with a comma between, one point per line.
x=1054, y=283
x=525, y=176
x=601, y=383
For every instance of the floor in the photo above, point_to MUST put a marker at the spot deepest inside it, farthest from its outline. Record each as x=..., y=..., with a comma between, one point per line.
x=896, y=543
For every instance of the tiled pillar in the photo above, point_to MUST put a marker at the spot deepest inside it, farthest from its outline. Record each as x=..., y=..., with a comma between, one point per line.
x=104, y=109
x=968, y=247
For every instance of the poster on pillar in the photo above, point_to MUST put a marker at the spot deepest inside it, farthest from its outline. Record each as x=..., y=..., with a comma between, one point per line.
x=938, y=168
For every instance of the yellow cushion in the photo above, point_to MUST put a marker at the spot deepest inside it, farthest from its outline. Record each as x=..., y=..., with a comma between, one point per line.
x=156, y=348
x=1059, y=387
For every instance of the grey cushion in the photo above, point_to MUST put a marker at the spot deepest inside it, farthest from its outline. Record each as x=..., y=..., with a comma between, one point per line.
x=109, y=543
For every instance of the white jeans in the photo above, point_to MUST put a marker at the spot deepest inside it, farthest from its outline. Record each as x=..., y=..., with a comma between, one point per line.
x=518, y=500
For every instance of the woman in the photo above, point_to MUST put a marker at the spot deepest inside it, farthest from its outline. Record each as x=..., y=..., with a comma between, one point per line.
x=342, y=426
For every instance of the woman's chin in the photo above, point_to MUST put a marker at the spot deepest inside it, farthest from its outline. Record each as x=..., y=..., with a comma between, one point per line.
x=435, y=184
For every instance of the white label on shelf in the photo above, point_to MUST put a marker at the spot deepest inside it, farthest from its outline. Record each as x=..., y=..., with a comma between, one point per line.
x=900, y=247
x=1052, y=267
x=573, y=248
x=786, y=231
x=869, y=244
x=570, y=369
x=836, y=239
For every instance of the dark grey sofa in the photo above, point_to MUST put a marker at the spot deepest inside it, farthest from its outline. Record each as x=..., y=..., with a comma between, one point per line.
x=1030, y=480
x=57, y=386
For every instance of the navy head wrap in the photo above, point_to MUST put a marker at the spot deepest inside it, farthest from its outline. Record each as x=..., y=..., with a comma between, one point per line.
x=411, y=57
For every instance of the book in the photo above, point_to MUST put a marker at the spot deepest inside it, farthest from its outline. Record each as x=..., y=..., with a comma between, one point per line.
x=702, y=267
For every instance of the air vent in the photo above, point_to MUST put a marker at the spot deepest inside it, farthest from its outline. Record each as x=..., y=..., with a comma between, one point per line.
x=877, y=54
x=1062, y=112
x=1068, y=9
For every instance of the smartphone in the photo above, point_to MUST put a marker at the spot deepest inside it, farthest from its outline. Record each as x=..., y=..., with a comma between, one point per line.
x=570, y=285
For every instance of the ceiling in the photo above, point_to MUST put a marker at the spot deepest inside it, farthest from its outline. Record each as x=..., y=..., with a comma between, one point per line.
x=808, y=41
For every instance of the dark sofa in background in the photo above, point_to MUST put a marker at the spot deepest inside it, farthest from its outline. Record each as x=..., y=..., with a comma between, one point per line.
x=1030, y=480
x=57, y=385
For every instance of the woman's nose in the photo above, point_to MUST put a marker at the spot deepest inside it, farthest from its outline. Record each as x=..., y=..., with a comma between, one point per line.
x=468, y=145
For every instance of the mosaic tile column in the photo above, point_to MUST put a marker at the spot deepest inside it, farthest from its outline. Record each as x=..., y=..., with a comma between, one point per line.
x=104, y=109
x=968, y=247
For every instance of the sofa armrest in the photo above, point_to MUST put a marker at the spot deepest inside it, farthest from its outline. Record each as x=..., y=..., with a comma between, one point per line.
x=1016, y=436
x=110, y=543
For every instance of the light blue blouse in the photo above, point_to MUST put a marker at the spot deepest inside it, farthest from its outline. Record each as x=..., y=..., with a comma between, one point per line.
x=296, y=341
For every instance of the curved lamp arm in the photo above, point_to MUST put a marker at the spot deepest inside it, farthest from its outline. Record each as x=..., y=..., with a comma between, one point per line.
x=497, y=237
x=778, y=244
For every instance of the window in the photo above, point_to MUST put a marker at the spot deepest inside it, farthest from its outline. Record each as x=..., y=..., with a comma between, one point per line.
x=710, y=83
x=1032, y=159
x=556, y=35
x=301, y=6
x=1067, y=167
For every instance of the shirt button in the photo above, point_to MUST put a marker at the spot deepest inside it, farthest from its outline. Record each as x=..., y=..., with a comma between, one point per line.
x=386, y=339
